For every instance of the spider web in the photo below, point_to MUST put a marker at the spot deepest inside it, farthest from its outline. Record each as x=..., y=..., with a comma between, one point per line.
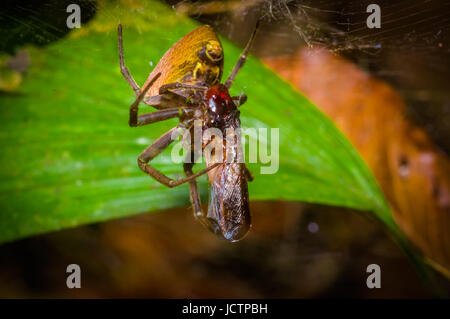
x=411, y=50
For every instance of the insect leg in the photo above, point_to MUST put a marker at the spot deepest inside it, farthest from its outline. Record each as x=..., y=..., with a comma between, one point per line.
x=177, y=85
x=123, y=69
x=239, y=100
x=242, y=58
x=161, y=115
x=153, y=150
x=248, y=174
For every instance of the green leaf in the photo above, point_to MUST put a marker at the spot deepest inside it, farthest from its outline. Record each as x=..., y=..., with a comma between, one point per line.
x=69, y=158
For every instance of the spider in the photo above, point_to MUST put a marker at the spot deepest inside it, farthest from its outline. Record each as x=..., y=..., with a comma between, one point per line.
x=185, y=84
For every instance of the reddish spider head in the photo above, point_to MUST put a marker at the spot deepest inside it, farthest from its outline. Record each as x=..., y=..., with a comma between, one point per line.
x=218, y=105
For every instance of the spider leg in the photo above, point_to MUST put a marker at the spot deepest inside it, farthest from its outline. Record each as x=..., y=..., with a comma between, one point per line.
x=167, y=98
x=164, y=101
x=155, y=149
x=195, y=197
x=161, y=115
x=123, y=69
x=158, y=101
x=242, y=58
x=133, y=121
x=199, y=214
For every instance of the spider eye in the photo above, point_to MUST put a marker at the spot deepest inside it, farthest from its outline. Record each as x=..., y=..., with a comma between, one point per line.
x=214, y=51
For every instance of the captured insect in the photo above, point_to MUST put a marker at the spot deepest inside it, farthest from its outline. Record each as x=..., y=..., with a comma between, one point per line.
x=185, y=84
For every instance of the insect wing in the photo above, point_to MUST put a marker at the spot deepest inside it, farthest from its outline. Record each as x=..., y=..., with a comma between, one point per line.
x=229, y=211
